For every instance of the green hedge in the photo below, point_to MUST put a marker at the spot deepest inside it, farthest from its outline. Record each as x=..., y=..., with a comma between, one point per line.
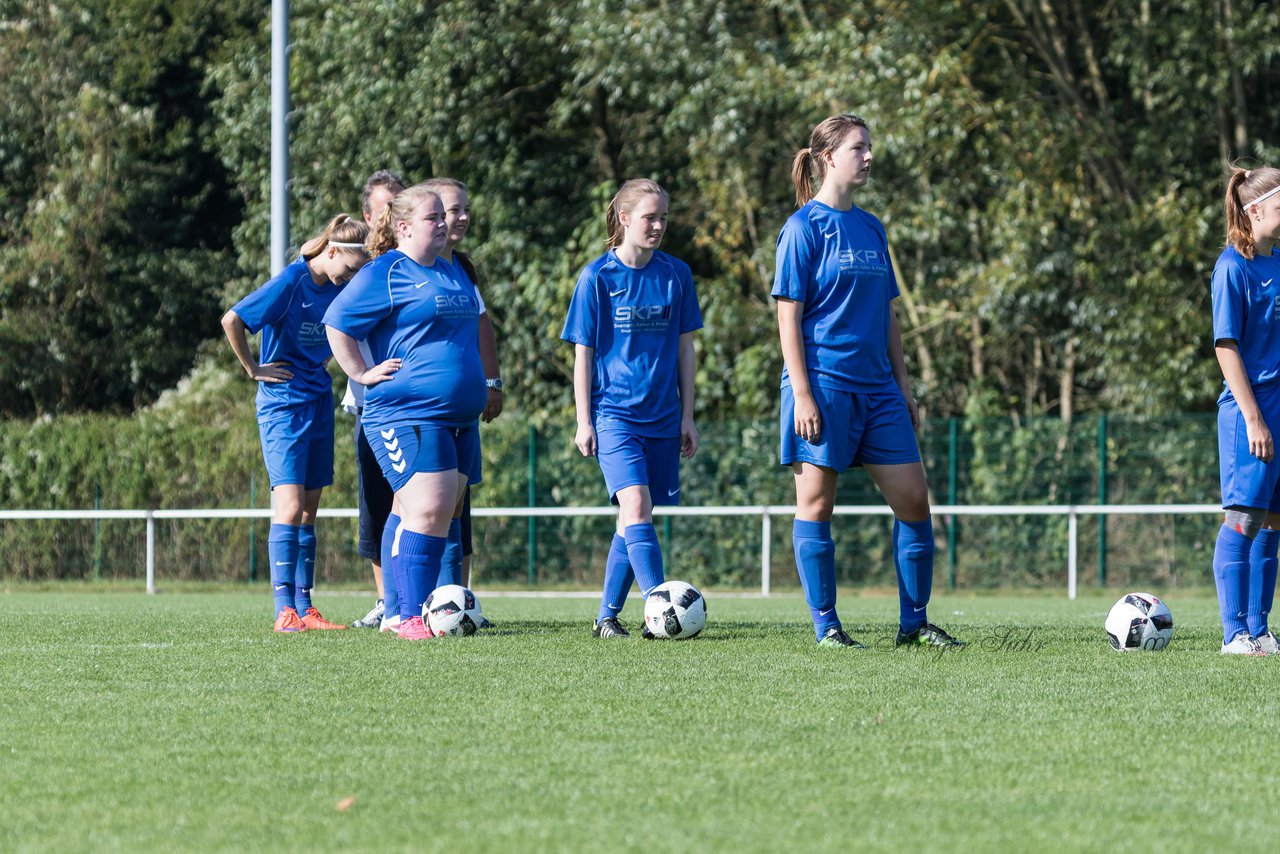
x=199, y=448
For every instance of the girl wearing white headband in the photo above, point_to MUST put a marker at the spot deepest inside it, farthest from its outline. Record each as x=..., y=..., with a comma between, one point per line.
x=1246, y=323
x=295, y=403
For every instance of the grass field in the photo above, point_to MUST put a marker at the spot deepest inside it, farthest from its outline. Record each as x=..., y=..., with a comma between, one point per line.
x=180, y=722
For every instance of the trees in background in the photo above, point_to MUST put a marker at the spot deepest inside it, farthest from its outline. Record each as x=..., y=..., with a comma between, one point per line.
x=1050, y=175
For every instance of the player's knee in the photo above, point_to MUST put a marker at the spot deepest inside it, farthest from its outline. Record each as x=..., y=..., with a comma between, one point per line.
x=1246, y=520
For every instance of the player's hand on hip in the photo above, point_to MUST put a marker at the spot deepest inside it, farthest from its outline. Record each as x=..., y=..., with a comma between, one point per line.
x=379, y=373
x=585, y=439
x=272, y=372
x=492, y=407
x=688, y=438
x=1261, y=445
x=808, y=419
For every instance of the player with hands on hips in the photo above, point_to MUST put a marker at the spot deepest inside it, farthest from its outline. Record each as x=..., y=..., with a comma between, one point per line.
x=846, y=394
x=295, y=404
x=424, y=396
x=631, y=322
x=1246, y=328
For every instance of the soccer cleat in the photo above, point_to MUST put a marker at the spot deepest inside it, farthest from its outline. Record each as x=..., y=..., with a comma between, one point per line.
x=1243, y=644
x=288, y=622
x=835, y=637
x=1267, y=643
x=313, y=620
x=390, y=624
x=645, y=633
x=609, y=627
x=371, y=620
x=414, y=629
x=927, y=635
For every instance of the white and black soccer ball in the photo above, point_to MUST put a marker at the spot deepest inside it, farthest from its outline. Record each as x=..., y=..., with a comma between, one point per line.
x=675, y=610
x=1139, y=621
x=452, y=610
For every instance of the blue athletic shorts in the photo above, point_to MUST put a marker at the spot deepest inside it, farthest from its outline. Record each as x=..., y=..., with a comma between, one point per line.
x=1246, y=480
x=373, y=493
x=856, y=429
x=297, y=443
x=630, y=460
x=408, y=447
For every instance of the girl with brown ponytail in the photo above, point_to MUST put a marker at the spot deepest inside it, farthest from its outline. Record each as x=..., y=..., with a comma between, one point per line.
x=295, y=403
x=1246, y=341
x=846, y=395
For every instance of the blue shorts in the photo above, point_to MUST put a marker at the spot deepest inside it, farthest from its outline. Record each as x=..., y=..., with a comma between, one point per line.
x=406, y=448
x=856, y=429
x=373, y=493
x=630, y=460
x=1246, y=480
x=297, y=443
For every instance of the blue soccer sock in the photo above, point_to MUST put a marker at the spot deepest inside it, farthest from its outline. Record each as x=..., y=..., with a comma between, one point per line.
x=282, y=550
x=617, y=580
x=306, y=577
x=420, y=555
x=913, y=549
x=1231, y=577
x=1262, y=579
x=451, y=563
x=645, y=555
x=816, y=564
x=390, y=586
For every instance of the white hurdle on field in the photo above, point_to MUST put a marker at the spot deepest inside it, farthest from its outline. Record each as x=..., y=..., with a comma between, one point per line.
x=765, y=512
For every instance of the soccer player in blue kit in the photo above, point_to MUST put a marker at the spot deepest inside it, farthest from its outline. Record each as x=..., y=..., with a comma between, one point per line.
x=1246, y=323
x=295, y=404
x=846, y=395
x=631, y=321
x=424, y=396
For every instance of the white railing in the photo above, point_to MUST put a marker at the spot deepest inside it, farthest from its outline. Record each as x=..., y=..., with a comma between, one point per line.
x=766, y=512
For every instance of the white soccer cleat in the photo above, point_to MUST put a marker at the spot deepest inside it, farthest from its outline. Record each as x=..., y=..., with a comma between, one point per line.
x=1267, y=643
x=390, y=624
x=1243, y=644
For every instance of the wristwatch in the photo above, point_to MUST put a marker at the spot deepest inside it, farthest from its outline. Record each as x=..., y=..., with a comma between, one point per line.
x=495, y=383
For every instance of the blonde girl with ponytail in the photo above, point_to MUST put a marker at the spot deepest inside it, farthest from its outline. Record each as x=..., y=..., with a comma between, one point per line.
x=295, y=403
x=1246, y=341
x=631, y=323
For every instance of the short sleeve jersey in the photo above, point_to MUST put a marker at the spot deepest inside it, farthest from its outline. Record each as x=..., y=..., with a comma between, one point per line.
x=289, y=311
x=633, y=319
x=837, y=264
x=428, y=318
x=1246, y=309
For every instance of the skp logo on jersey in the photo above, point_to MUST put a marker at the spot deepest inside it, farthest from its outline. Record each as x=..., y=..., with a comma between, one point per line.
x=311, y=333
x=863, y=261
x=632, y=317
x=456, y=305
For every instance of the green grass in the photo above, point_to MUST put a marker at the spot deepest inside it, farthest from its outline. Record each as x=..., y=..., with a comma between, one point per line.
x=180, y=722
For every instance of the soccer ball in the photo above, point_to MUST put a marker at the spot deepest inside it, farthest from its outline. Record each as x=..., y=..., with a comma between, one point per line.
x=1139, y=621
x=452, y=610
x=675, y=610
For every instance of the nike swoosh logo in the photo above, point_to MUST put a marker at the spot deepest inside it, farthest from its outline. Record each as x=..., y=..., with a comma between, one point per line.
x=824, y=613
x=831, y=235
x=282, y=586
x=420, y=284
x=1267, y=282
x=307, y=304
x=615, y=293
x=921, y=608
x=671, y=492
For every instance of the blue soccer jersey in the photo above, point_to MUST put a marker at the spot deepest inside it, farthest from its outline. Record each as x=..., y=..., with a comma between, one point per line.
x=633, y=319
x=289, y=310
x=429, y=318
x=837, y=264
x=1246, y=309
